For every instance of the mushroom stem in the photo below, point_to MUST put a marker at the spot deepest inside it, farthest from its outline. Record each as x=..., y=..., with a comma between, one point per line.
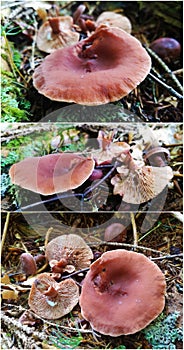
x=51, y=292
x=46, y=288
x=54, y=23
x=80, y=10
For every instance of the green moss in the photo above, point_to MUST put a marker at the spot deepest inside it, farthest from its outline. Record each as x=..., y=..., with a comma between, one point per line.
x=163, y=333
x=14, y=106
x=63, y=342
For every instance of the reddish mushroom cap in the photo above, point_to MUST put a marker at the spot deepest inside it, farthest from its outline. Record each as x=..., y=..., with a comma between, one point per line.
x=50, y=299
x=71, y=247
x=114, y=19
x=100, y=69
x=166, y=48
x=122, y=293
x=116, y=232
x=52, y=173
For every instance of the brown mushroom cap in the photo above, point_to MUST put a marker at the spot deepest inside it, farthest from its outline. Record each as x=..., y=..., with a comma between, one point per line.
x=116, y=232
x=122, y=293
x=113, y=19
x=52, y=173
x=52, y=300
x=141, y=184
x=56, y=33
x=100, y=69
x=71, y=247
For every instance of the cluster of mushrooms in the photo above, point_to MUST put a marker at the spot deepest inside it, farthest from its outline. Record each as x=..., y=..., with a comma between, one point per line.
x=101, y=68
x=122, y=292
x=135, y=181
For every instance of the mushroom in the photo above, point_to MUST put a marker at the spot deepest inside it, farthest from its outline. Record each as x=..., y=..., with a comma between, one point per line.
x=157, y=156
x=166, y=48
x=122, y=293
x=109, y=149
x=69, y=253
x=56, y=33
x=52, y=173
x=139, y=183
x=116, y=232
x=52, y=300
x=101, y=68
x=112, y=19
x=29, y=263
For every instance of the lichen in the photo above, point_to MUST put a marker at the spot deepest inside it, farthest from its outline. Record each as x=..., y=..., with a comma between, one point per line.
x=163, y=333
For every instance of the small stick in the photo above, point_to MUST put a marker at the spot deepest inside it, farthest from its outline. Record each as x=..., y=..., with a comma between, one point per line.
x=169, y=88
x=127, y=245
x=168, y=257
x=167, y=69
x=177, y=215
x=5, y=230
x=147, y=233
x=75, y=273
x=134, y=229
x=47, y=236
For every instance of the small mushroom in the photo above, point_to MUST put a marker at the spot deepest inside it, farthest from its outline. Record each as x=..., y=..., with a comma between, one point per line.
x=52, y=300
x=166, y=48
x=68, y=250
x=122, y=293
x=56, y=33
x=140, y=183
x=29, y=263
x=100, y=69
x=112, y=19
x=116, y=232
x=52, y=173
x=157, y=156
x=109, y=149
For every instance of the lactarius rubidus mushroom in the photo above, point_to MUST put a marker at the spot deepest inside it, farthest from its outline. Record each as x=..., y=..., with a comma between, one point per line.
x=166, y=48
x=112, y=19
x=138, y=183
x=56, y=33
x=100, y=69
x=68, y=253
x=52, y=173
x=122, y=293
x=116, y=232
x=109, y=149
x=52, y=300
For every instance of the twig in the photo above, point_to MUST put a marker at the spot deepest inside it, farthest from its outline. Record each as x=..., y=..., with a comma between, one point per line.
x=134, y=229
x=5, y=230
x=177, y=215
x=47, y=236
x=147, y=233
x=169, y=88
x=31, y=330
x=168, y=257
x=167, y=69
x=126, y=245
x=75, y=273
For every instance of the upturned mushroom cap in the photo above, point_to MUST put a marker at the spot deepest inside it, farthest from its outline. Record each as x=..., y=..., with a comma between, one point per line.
x=56, y=33
x=113, y=19
x=71, y=247
x=141, y=184
x=52, y=300
x=52, y=173
x=100, y=69
x=122, y=293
